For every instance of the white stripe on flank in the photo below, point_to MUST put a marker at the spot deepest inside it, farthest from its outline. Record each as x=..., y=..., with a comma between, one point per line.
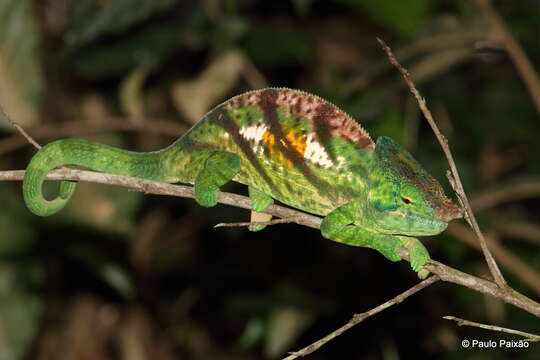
x=253, y=132
x=316, y=153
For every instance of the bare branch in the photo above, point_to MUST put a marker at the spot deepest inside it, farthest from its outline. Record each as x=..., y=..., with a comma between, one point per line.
x=257, y=223
x=19, y=128
x=445, y=272
x=494, y=269
x=509, y=261
x=358, y=318
x=463, y=322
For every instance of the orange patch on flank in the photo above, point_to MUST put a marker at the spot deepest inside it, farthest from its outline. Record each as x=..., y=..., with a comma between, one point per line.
x=293, y=140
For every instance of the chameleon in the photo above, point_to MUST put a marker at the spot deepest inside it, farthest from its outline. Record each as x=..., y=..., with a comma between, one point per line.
x=286, y=145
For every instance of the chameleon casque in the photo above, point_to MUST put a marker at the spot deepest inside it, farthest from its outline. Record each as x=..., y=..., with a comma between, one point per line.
x=287, y=145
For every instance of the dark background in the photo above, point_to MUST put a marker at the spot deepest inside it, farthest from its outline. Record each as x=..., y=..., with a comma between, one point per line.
x=122, y=275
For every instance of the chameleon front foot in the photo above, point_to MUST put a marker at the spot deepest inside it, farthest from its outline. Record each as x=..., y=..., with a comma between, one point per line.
x=418, y=255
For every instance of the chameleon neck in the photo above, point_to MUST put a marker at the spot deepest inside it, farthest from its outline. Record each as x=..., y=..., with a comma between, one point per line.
x=88, y=154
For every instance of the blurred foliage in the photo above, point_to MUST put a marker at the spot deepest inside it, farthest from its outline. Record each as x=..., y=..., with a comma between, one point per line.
x=20, y=69
x=91, y=19
x=123, y=275
x=404, y=19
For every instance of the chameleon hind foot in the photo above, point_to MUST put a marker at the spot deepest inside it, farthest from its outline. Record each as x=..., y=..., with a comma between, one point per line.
x=259, y=202
x=258, y=217
x=220, y=167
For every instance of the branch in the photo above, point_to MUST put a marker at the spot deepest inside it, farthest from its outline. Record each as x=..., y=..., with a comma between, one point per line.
x=358, y=318
x=158, y=188
x=257, y=223
x=463, y=322
x=446, y=273
x=514, y=49
x=512, y=263
x=19, y=128
x=458, y=188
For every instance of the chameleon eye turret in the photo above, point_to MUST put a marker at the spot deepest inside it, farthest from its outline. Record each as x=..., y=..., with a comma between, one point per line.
x=287, y=145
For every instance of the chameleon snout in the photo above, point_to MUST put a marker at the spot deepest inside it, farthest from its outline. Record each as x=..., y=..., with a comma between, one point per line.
x=448, y=211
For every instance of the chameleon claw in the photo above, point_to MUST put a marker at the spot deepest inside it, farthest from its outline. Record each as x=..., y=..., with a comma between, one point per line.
x=418, y=254
x=423, y=274
x=418, y=259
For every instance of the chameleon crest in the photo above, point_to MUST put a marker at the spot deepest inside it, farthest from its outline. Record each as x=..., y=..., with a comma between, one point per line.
x=287, y=145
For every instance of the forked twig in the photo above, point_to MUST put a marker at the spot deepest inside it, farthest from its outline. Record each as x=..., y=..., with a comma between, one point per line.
x=494, y=269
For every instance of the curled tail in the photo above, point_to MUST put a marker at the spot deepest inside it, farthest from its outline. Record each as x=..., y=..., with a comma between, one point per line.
x=88, y=154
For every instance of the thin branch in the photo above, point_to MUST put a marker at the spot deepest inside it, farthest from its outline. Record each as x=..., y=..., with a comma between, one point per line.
x=358, y=318
x=517, y=54
x=446, y=273
x=257, y=223
x=494, y=269
x=512, y=263
x=460, y=39
x=19, y=128
x=463, y=322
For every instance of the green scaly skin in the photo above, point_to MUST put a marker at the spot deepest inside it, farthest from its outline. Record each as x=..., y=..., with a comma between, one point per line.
x=286, y=145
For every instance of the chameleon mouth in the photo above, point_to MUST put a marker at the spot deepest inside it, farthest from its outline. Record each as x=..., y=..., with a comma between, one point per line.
x=448, y=211
x=420, y=225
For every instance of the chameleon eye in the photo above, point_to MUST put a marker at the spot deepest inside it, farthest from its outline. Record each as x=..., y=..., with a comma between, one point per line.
x=406, y=201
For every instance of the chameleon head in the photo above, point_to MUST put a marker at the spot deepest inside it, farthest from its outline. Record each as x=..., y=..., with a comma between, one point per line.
x=403, y=198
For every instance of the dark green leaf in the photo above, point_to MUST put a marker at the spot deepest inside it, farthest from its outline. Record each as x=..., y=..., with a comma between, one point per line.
x=91, y=19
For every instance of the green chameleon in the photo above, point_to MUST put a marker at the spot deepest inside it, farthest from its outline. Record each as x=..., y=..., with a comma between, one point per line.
x=287, y=145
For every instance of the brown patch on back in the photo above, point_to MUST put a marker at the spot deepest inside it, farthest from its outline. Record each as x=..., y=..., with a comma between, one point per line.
x=321, y=113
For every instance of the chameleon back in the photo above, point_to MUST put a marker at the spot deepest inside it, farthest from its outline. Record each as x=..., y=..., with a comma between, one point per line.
x=294, y=146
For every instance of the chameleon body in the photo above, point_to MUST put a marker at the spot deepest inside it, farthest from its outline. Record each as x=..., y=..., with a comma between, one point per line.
x=287, y=145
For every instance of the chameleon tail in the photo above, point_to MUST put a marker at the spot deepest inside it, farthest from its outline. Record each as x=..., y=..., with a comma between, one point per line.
x=83, y=153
